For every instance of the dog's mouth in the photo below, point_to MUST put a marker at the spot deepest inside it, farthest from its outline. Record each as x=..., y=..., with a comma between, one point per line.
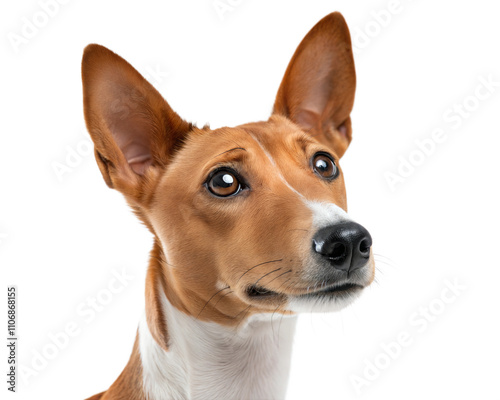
x=259, y=292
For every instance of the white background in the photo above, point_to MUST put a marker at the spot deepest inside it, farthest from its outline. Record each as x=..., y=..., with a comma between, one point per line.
x=62, y=238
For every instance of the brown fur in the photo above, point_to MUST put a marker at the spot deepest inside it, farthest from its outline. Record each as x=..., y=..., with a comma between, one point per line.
x=208, y=250
x=128, y=386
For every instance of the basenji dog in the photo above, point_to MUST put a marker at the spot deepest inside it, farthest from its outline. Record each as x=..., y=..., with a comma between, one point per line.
x=250, y=222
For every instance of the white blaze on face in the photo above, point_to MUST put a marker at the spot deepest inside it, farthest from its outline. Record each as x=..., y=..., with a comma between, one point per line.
x=326, y=214
x=276, y=168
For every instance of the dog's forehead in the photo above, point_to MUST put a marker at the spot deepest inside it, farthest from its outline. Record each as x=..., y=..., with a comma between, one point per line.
x=275, y=125
x=275, y=133
x=278, y=134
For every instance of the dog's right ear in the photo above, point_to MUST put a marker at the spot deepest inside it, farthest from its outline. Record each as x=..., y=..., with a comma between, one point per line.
x=133, y=128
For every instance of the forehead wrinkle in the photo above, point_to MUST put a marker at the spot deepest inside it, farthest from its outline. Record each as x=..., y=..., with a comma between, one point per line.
x=227, y=151
x=226, y=158
x=277, y=169
x=305, y=140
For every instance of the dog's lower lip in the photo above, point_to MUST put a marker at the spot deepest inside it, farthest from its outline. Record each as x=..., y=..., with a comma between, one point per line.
x=340, y=288
x=261, y=292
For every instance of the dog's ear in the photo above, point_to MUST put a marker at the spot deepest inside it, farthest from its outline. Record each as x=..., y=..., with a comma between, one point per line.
x=317, y=91
x=133, y=128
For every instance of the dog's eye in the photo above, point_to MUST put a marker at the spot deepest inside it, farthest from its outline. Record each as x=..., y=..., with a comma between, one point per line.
x=324, y=166
x=224, y=183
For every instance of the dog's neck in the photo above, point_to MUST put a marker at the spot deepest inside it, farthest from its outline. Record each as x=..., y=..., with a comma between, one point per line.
x=185, y=358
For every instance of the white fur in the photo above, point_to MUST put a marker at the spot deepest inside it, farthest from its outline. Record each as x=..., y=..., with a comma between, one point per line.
x=210, y=361
x=164, y=374
x=326, y=214
x=321, y=305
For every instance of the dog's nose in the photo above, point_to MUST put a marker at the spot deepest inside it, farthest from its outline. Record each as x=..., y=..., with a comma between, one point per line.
x=345, y=245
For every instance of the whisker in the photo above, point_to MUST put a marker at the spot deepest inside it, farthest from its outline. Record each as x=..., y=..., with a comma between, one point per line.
x=162, y=260
x=237, y=315
x=289, y=286
x=379, y=269
x=380, y=255
x=215, y=294
x=279, y=327
x=285, y=281
x=263, y=276
x=220, y=298
x=276, y=277
x=245, y=312
x=384, y=263
x=255, y=266
x=272, y=316
x=385, y=260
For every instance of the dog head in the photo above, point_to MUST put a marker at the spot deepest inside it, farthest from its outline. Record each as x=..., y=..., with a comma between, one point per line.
x=246, y=219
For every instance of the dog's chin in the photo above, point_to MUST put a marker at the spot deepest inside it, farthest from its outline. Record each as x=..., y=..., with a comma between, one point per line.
x=330, y=299
x=325, y=301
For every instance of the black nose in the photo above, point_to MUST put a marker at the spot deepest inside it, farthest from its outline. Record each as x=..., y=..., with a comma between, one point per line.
x=345, y=245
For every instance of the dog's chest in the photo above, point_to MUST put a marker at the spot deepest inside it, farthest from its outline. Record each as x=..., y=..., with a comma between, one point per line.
x=209, y=361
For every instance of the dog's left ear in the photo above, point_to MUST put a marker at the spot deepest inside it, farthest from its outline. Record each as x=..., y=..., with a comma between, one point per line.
x=317, y=91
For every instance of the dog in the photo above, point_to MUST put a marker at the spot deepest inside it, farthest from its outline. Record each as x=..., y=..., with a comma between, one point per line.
x=249, y=222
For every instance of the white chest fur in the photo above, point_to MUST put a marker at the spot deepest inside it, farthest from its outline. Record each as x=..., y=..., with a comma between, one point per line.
x=209, y=361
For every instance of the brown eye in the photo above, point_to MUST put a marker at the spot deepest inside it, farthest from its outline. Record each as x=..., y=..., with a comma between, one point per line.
x=324, y=166
x=224, y=183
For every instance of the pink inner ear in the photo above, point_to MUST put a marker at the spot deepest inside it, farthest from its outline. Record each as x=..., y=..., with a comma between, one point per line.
x=311, y=106
x=343, y=131
x=132, y=137
x=140, y=162
x=307, y=119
